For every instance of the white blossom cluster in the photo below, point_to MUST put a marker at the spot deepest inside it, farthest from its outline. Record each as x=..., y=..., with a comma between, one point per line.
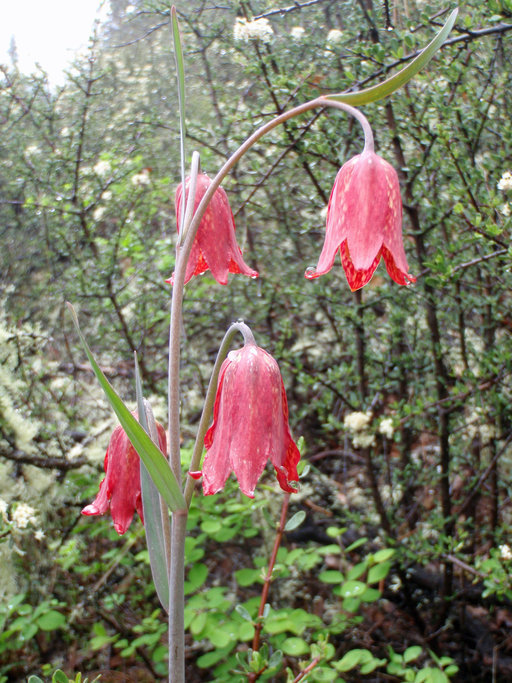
x=386, y=427
x=142, y=178
x=22, y=428
x=258, y=29
x=505, y=182
x=23, y=515
x=102, y=168
x=357, y=421
x=357, y=424
x=334, y=37
x=297, y=32
x=505, y=552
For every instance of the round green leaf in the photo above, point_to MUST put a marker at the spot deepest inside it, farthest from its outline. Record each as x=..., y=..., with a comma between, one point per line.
x=412, y=653
x=211, y=526
x=51, y=620
x=352, y=589
x=246, y=577
x=350, y=660
x=331, y=576
x=295, y=647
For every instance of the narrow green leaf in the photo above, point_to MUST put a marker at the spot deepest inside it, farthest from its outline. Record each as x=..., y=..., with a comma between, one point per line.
x=152, y=504
x=295, y=521
x=150, y=454
x=378, y=92
x=243, y=613
x=180, y=74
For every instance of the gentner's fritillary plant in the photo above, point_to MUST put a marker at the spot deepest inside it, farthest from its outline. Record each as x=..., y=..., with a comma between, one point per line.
x=244, y=423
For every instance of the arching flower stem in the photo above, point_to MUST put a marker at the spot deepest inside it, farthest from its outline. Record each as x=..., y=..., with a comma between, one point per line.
x=209, y=401
x=189, y=232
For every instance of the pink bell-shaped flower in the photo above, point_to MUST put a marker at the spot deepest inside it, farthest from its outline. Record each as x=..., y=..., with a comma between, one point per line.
x=120, y=490
x=364, y=222
x=215, y=246
x=250, y=424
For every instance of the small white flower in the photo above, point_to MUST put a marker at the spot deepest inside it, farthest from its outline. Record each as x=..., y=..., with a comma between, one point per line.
x=386, y=427
x=334, y=36
x=363, y=440
x=39, y=534
x=3, y=509
x=505, y=210
x=357, y=421
x=297, y=32
x=505, y=552
x=258, y=29
x=141, y=178
x=395, y=584
x=31, y=150
x=23, y=515
x=101, y=168
x=98, y=212
x=505, y=182
x=64, y=133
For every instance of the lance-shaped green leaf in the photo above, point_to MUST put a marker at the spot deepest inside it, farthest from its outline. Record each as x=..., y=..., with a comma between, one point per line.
x=150, y=454
x=378, y=92
x=180, y=73
x=156, y=518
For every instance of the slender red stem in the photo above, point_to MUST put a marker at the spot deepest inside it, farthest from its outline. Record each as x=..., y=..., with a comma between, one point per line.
x=268, y=577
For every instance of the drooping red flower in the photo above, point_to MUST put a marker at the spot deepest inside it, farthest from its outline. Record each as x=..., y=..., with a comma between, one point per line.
x=215, y=246
x=364, y=222
x=250, y=424
x=120, y=490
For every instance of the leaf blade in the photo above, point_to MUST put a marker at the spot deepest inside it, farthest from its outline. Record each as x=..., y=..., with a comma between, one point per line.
x=180, y=75
x=381, y=90
x=149, y=453
x=152, y=505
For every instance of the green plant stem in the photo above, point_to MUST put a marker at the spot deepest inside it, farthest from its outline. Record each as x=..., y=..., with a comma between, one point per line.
x=210, y=400
x=177, y=598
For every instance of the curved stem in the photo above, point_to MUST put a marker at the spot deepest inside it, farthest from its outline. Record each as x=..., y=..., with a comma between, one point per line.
x=210, y=399
x=251, y=140
x=179, y=518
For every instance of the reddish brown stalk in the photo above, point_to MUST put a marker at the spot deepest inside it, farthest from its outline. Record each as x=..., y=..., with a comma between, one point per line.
x=309, y=668
x=268, y=578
